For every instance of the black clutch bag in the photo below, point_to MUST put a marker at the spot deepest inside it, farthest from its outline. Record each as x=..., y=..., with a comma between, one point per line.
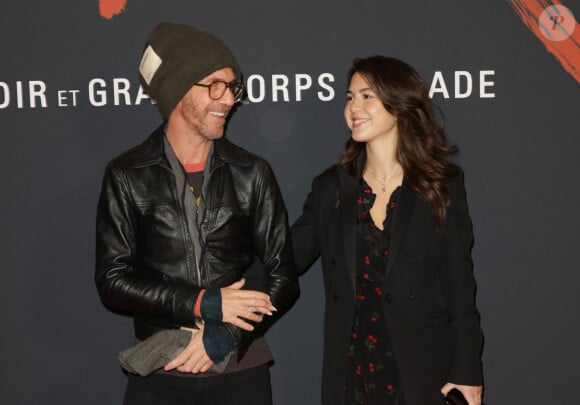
x=454, y=397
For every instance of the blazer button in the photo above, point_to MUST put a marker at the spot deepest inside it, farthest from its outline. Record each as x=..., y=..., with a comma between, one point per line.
x=332, y=261
x=334, y=297
x=411, y=295
x=388, y=297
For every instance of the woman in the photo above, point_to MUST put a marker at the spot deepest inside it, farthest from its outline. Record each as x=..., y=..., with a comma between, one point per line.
x=391, y=225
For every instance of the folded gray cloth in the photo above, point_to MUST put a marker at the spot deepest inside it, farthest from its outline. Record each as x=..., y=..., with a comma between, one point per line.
x=159, y=349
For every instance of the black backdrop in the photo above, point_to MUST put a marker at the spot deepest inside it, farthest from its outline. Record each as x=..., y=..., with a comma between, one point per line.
x=69, y=102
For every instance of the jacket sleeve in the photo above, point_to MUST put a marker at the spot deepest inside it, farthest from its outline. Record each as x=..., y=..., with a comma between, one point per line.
x=459, y=288
x=306, y=230
x=121, y=287
x=271, y=239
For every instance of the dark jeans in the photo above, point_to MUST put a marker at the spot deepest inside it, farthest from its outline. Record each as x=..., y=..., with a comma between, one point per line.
x=246, y=387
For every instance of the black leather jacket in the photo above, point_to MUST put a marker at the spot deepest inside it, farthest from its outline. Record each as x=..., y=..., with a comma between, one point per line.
x=145, y=257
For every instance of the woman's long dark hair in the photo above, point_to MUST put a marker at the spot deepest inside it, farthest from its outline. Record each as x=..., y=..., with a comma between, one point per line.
x=422, y=148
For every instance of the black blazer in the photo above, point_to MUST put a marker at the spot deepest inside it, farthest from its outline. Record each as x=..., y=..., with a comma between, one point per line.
x=429, y=302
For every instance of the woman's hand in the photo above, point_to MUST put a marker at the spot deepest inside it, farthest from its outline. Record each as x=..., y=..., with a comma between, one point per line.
x=471, y=393
x=239, y=305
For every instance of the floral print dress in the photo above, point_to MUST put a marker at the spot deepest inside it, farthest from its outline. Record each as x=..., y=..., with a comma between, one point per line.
x=372, y=376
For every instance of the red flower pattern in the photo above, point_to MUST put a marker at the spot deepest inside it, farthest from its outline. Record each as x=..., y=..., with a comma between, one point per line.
x=374, y=374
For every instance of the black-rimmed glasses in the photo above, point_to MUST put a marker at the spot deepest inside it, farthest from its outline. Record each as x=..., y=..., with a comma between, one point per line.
x=217, y=89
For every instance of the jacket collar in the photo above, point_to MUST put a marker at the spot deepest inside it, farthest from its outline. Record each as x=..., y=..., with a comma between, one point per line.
x=152, y=152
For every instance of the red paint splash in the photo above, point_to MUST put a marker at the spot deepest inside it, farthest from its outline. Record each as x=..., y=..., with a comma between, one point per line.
x=110, y=8
x=566, y=51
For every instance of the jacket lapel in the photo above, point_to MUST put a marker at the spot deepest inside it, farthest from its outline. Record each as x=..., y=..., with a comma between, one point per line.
x=405, y=206
x=347, y=190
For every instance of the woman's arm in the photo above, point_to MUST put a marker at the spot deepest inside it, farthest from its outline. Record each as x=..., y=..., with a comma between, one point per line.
x=306, y=231
x=459, y=288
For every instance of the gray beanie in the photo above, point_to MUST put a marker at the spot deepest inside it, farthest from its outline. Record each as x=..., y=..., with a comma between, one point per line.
x=175, y=57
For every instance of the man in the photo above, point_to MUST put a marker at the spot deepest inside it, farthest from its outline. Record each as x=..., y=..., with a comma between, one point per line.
x=181, y=218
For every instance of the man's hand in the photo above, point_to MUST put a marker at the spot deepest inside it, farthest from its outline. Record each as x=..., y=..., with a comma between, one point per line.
x=471, y=393
x=239, y=305
x=193, y=359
